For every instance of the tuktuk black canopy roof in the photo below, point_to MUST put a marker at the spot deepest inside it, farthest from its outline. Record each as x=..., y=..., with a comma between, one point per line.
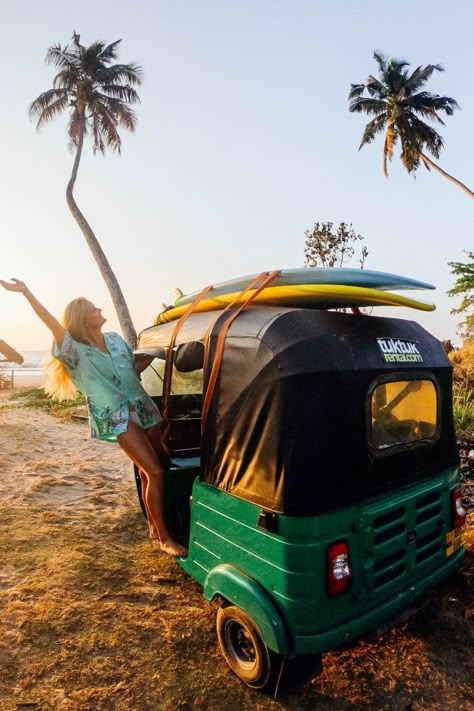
x=288, y=424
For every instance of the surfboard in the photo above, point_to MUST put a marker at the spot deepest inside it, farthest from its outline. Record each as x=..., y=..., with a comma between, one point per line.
x=383, y=281
x=316, y=296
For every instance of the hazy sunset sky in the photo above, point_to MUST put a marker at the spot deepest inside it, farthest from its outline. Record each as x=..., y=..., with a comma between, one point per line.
x=244, y=140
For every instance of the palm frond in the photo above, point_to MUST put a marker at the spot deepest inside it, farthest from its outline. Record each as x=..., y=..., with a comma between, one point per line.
x=381, y=60
x=110, y=52
x=410, y=158
x=420, y=76
x=425, y=101
x=421, y=105
x=105, y=126
x=368, y=106
x=124, y=93
x=97, y=141
x=121, y=113
x=51, y=111
x=67, y=78
x=91, y=62
x=426, y=136
x=395, y=76
x=45, y=100
x=61, y=56
x=376, y=88
x=127, y=118
x=372, y=129
x=356, y=91
x=130, y=73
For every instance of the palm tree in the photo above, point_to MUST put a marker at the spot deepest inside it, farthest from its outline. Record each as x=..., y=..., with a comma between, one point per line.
x=96, y=94
x=396, y=101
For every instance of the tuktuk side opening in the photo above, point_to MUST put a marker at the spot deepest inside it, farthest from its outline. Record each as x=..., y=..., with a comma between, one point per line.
x=319, y=491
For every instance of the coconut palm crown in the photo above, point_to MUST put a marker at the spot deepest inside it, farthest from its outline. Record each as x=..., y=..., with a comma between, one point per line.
x=96, y=93
x=398, y=103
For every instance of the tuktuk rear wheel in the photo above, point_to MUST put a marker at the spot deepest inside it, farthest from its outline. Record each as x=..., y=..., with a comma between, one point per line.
x=243, y=648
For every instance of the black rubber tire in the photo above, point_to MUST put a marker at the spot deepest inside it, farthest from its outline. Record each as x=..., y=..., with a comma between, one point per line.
x=243, y=648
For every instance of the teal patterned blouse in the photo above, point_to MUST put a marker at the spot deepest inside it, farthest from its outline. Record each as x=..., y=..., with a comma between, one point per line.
x=110, y=384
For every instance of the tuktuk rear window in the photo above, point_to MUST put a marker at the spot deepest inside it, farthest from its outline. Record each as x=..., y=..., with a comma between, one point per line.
x=403, y=412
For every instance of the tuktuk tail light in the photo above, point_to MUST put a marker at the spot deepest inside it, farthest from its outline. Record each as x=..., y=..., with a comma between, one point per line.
x=459, y=512
x=339, y=573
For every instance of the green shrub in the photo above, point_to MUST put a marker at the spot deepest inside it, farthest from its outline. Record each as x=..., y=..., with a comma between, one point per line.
x=36, y=397
x=463, y=410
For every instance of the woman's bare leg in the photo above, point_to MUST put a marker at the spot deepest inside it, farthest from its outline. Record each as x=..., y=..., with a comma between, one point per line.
x=155, y=436
x=144, y=482
x=138, y=447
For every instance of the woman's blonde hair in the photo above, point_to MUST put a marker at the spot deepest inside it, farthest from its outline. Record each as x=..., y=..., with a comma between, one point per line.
x=58, y=381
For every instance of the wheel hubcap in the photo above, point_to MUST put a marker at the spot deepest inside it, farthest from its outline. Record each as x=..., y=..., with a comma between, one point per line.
x=240, y=644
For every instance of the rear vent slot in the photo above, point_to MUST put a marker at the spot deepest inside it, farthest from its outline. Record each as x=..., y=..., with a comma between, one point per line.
x=389, y=534
x=432, y=513
x=428, y=500
x=388, y=518
x=388, y=561
x=422, y=542
x=429, y=552
x=428, y=546
x=389, y=576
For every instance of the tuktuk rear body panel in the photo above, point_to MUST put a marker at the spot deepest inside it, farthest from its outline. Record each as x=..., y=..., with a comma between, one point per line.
x=398, y=551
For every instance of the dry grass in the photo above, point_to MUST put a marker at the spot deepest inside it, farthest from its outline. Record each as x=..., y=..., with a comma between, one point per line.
x=94, y=618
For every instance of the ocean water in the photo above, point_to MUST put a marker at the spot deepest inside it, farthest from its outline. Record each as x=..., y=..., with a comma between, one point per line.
x=33, y=365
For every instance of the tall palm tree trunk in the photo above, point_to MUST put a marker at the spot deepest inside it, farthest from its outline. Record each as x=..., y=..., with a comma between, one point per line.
x=428, y=163
x=109, y=277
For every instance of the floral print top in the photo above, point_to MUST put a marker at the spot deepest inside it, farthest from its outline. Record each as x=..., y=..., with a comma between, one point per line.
x=109, y=383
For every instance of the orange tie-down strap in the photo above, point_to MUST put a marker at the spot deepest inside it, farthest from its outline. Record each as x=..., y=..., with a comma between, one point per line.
x=216, y=364
x=253, y=284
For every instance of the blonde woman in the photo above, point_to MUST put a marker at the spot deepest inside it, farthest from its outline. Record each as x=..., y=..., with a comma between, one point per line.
x=101, y=366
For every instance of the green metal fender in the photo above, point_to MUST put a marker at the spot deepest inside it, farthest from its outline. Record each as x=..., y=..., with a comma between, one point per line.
x=242, y=591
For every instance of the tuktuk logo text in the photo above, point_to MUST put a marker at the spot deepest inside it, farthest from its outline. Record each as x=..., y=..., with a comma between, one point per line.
x=398, y=350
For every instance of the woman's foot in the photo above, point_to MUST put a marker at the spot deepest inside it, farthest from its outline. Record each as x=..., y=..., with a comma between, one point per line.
x=170, y=547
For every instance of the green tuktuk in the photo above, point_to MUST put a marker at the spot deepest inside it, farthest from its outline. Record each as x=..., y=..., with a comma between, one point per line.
x=320, y=494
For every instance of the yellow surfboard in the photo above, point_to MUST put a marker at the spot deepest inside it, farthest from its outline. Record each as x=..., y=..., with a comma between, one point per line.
x=312, y=296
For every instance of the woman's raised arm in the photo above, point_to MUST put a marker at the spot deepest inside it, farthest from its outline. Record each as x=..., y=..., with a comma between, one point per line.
x=51, y=322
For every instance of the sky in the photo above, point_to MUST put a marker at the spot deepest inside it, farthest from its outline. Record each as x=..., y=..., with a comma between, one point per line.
x=244, y=141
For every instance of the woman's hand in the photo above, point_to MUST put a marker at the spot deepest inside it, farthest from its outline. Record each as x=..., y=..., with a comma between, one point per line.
x=51, y=322
x=17, y=286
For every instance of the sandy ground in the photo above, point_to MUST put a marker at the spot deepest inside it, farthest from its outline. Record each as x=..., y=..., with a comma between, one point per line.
x=43, y=459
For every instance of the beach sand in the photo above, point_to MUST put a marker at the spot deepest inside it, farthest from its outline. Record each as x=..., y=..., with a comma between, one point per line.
x=44, y=459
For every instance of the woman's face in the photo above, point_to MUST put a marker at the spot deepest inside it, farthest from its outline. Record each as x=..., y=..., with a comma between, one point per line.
x=94, y=318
